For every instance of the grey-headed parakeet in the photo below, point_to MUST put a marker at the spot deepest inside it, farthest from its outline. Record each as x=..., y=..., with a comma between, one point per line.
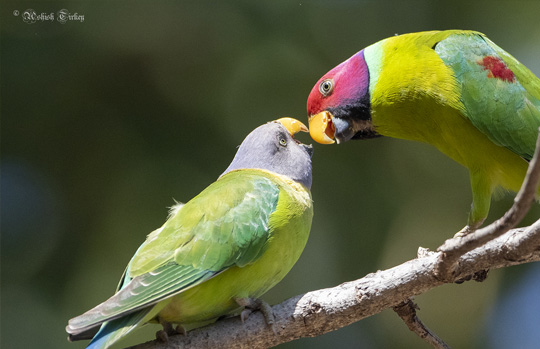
x=231, y=243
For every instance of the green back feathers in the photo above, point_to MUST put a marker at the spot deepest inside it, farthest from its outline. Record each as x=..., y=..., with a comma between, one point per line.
x=225, y=224
x=495, y=92
x=526, y=78
x=500, y=95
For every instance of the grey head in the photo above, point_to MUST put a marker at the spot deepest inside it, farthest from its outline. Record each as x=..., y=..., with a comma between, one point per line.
x=271, y=147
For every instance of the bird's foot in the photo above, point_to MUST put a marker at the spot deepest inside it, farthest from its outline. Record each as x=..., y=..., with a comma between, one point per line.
x=168, y=330
x=245, y=314
x=162, y=336
x=251, y=304
x=181, y=330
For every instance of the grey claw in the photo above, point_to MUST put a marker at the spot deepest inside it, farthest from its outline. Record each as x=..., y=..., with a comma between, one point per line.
x=162, y=336
x=181, y=330
x=251, y=304
x=245, y=314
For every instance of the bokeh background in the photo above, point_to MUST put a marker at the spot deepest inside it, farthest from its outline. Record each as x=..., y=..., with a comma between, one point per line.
x=105, y=122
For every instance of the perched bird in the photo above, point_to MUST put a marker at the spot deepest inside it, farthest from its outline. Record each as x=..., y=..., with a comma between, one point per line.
x=455, y=90
x=220, y=251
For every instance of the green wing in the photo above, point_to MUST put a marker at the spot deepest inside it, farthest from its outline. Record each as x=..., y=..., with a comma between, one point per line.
x=225, y=225
x=500, y=95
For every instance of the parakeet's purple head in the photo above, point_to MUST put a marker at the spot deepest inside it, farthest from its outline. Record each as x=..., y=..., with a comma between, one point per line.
x=339, y=104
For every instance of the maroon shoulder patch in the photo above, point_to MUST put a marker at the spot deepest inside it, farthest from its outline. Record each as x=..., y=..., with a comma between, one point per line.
x=497, y=68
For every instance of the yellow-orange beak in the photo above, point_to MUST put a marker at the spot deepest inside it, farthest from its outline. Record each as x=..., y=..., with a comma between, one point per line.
x=293, y=126
x=321, y=128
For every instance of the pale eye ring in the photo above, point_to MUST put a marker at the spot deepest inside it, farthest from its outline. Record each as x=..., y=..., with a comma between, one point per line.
x=326, y=87
x=282, y=141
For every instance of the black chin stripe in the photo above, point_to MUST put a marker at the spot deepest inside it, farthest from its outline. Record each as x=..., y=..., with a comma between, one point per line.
x=358, y=113
x=354, y=110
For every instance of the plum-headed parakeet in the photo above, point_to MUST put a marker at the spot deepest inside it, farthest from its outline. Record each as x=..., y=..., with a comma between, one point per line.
x=456, y=90
x=222, y=249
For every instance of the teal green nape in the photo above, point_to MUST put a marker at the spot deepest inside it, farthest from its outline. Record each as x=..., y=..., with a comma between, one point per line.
x=454, y=89
x=235, y=240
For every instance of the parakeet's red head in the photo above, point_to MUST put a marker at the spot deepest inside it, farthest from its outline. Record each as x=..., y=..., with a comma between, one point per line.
x=339, y=104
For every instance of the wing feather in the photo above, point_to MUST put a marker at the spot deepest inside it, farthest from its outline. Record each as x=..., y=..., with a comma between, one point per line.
x=225, y=224
x=139, y=293
x=500, y=95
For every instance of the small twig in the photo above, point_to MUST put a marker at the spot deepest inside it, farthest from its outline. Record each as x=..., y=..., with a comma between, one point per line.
x=407, y=312
x=453, y=248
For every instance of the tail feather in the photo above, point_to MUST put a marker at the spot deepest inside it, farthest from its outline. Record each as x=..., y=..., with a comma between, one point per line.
x=111, y=331
x=88, y=334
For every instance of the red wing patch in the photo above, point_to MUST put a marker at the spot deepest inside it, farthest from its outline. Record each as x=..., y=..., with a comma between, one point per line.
x=497, y=69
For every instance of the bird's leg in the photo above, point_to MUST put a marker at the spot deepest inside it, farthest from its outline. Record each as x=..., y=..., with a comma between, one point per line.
x=251, y=304
x=168, y=330
x=481, y=190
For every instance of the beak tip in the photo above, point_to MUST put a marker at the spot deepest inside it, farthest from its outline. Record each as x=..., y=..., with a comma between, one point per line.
x=293, y=126
x=321, y=128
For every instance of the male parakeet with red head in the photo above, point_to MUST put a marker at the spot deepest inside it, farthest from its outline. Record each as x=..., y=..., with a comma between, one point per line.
x=456, y=90
x=222, y=249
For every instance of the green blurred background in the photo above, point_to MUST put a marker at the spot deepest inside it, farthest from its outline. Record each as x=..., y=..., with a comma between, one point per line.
x=105, y=122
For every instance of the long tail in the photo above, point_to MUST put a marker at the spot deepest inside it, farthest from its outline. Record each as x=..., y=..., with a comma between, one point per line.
x=111, y=331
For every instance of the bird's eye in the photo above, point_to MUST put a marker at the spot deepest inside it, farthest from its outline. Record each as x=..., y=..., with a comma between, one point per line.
x=326, y=87
x=282, y=141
